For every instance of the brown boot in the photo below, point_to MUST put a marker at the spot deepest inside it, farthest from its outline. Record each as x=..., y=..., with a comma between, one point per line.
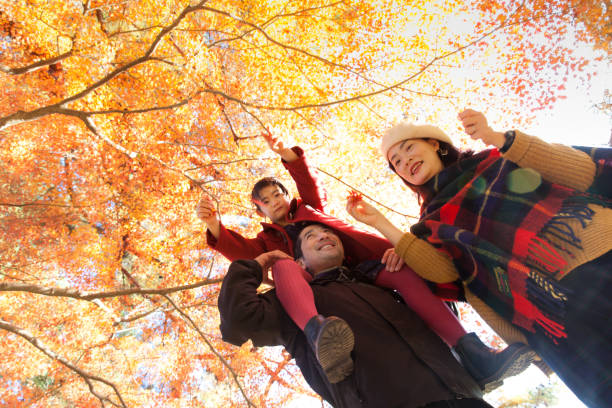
x=332, y=340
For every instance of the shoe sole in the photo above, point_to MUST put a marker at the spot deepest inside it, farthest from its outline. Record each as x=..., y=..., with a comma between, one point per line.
x=523, y=357
x=334, y=347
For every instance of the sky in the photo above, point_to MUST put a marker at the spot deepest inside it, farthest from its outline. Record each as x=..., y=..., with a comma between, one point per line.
x=574, y=120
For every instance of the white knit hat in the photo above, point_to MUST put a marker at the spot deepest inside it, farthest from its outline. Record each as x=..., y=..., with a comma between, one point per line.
x=405, y=130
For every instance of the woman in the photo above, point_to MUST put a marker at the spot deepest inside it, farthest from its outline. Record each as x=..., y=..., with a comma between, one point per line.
x=521, y=227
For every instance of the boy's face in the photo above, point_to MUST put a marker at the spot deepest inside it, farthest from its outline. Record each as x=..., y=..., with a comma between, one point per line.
x=273, y=204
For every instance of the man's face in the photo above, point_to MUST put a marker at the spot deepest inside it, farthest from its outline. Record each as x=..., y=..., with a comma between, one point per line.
x=321, y=249
x=274, y=204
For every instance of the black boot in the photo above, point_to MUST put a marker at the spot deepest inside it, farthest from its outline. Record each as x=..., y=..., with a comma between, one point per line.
x=489, y=367
x=332, y=340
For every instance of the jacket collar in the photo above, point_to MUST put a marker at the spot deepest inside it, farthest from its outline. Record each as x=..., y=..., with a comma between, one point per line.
x=339, y=273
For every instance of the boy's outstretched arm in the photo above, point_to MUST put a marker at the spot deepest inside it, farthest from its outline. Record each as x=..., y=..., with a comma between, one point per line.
x=278, y=147
x=228, y=243
x=304, y=176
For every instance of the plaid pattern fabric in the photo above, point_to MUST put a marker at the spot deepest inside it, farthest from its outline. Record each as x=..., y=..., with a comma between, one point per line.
x=584, y=361
x=493, y=218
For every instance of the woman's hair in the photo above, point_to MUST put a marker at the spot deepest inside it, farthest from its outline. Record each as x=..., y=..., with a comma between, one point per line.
x=452, y=156
x=263, y=183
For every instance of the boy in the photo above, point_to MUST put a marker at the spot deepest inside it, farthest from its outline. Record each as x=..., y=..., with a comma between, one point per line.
x=272, y=200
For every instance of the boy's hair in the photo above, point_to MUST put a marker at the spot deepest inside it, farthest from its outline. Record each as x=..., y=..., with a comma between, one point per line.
x=263, y=183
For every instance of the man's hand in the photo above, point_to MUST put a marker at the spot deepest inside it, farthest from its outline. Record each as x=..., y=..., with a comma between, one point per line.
x=278, y=147
x=267, y=259
x=393, y=262
x=475, y=125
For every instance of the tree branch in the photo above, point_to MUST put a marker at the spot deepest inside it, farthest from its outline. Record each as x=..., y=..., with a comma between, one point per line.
x=223, y=163
x=87, y=377
x=43, y=204
x=83, y=295
x=36, y=65
x=145, y=110
x=209, y=344
x=21, y=116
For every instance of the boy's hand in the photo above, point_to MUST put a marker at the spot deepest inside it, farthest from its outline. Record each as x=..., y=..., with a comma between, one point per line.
x=206, y=210
x=278, y=147
x=363, y=212
x=393, y=262
x=475, y=125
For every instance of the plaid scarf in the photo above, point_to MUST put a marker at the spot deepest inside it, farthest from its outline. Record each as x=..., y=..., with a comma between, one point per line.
x=495, y=219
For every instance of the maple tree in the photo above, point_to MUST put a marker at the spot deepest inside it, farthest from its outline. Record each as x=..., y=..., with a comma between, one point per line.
x=116, y=116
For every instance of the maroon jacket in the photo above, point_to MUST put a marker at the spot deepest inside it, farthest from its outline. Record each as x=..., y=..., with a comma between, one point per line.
x=358, y=245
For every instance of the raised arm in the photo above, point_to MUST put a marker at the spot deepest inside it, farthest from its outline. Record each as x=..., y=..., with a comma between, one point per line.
x=245, y=314
x=556, y=163
x=428, y=262
x=304, y=176
x=229, y=243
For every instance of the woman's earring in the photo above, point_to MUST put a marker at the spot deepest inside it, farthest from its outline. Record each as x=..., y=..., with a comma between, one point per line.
x=443, y=151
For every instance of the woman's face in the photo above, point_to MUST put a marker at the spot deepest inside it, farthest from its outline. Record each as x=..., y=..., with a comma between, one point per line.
x=416, y=160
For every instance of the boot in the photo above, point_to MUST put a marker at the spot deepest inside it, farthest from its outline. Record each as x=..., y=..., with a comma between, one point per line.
x=489, y=367
x=332, y=340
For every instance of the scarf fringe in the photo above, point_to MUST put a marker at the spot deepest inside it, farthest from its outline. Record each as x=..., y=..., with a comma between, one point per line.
x=543, y=252
x=549, y=298
x=543, y=256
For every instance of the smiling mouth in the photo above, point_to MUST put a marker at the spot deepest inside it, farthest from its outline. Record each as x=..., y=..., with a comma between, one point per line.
x=415, y=167
x=327, y=245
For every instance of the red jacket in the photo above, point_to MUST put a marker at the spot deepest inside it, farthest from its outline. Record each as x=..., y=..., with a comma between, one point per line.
x=358, y=245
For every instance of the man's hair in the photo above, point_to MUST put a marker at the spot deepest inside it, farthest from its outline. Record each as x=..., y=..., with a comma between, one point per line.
x=452, y=156
x=297, y=245
x=263, y=183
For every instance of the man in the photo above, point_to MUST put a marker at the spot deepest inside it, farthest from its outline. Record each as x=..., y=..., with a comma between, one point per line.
x=397, y=361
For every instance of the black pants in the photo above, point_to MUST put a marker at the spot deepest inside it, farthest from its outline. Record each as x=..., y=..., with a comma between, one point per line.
x=459, y=403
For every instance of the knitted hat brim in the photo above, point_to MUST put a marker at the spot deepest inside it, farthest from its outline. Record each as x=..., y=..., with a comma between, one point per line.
x=406, y=131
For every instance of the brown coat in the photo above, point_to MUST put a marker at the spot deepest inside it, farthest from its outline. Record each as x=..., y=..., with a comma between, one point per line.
x=399, y=361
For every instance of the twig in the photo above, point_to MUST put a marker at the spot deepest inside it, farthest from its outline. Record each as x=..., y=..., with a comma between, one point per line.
x=87, y=377
x=209, y=344
x=365, y=195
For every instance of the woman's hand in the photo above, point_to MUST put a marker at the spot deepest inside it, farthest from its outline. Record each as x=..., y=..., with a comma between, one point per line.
x=392, y=261
x=475, y=125
x=363, y=212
